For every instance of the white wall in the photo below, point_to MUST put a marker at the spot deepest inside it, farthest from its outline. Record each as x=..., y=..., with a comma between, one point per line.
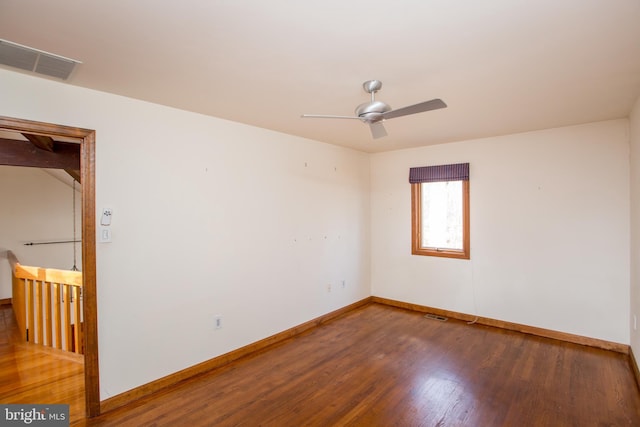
x=634, y=136
x=549, y=230
x=36, y=207
x=214, y=217
x=210, y=217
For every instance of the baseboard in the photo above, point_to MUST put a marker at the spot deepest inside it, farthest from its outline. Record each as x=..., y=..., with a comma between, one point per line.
x=217, y=362
x=634, y=366
x=532, y=330
x=5, y=301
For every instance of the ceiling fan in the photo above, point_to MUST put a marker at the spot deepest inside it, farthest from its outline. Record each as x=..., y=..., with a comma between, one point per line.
x=374, y=112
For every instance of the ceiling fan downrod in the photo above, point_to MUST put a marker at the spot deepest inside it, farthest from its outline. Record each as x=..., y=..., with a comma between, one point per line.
x=372, y=112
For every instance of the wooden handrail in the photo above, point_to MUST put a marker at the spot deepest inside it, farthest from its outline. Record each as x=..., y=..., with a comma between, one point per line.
x=73, y=278
x=44, y=300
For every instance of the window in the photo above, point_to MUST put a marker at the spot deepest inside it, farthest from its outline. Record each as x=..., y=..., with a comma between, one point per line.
x=440, y=211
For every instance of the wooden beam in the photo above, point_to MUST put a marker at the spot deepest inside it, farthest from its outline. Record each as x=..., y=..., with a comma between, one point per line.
x=23, y=153
x=47, y=143
x=75, y=174
x=41, y=141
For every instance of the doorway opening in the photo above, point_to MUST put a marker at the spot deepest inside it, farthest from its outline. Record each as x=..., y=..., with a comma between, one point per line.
x=86, y=139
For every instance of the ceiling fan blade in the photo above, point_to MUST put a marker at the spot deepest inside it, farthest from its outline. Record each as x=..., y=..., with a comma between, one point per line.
x=325, y=116
x=434, y=104
x=377, y=130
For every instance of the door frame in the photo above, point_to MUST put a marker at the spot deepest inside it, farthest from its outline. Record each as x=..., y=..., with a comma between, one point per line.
x=87, y=140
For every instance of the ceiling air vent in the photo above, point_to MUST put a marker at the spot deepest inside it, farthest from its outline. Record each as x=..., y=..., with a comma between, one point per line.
x=36, y=61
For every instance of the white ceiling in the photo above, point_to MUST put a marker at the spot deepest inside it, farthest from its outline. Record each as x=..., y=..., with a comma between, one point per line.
x=502, y=66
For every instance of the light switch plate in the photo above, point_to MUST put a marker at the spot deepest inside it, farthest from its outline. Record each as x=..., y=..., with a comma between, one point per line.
x=105, y=235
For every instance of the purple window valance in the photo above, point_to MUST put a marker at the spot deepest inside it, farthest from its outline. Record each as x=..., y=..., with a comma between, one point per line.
x=457, y=172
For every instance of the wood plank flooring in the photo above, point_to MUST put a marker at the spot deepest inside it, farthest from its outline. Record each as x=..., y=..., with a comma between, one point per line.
x=30, y=373
x=384, y=366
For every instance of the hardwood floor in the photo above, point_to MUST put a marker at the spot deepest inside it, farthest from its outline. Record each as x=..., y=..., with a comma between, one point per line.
x=384, y=366
x=30, y=373
x=375, y=366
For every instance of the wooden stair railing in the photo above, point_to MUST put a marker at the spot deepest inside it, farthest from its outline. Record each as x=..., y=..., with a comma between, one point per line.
x=48, y=305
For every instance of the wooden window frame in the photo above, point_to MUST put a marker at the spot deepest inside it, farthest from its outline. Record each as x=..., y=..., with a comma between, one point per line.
x=416, y=226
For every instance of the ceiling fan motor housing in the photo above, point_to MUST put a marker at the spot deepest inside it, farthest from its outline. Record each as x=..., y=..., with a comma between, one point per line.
x=373, y=111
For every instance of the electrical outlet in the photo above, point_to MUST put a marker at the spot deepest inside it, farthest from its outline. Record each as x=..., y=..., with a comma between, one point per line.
x=329, y=287
x=344, y=284
x=218, y=321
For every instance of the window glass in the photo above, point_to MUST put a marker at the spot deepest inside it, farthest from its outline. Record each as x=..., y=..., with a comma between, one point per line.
x=442, y=215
